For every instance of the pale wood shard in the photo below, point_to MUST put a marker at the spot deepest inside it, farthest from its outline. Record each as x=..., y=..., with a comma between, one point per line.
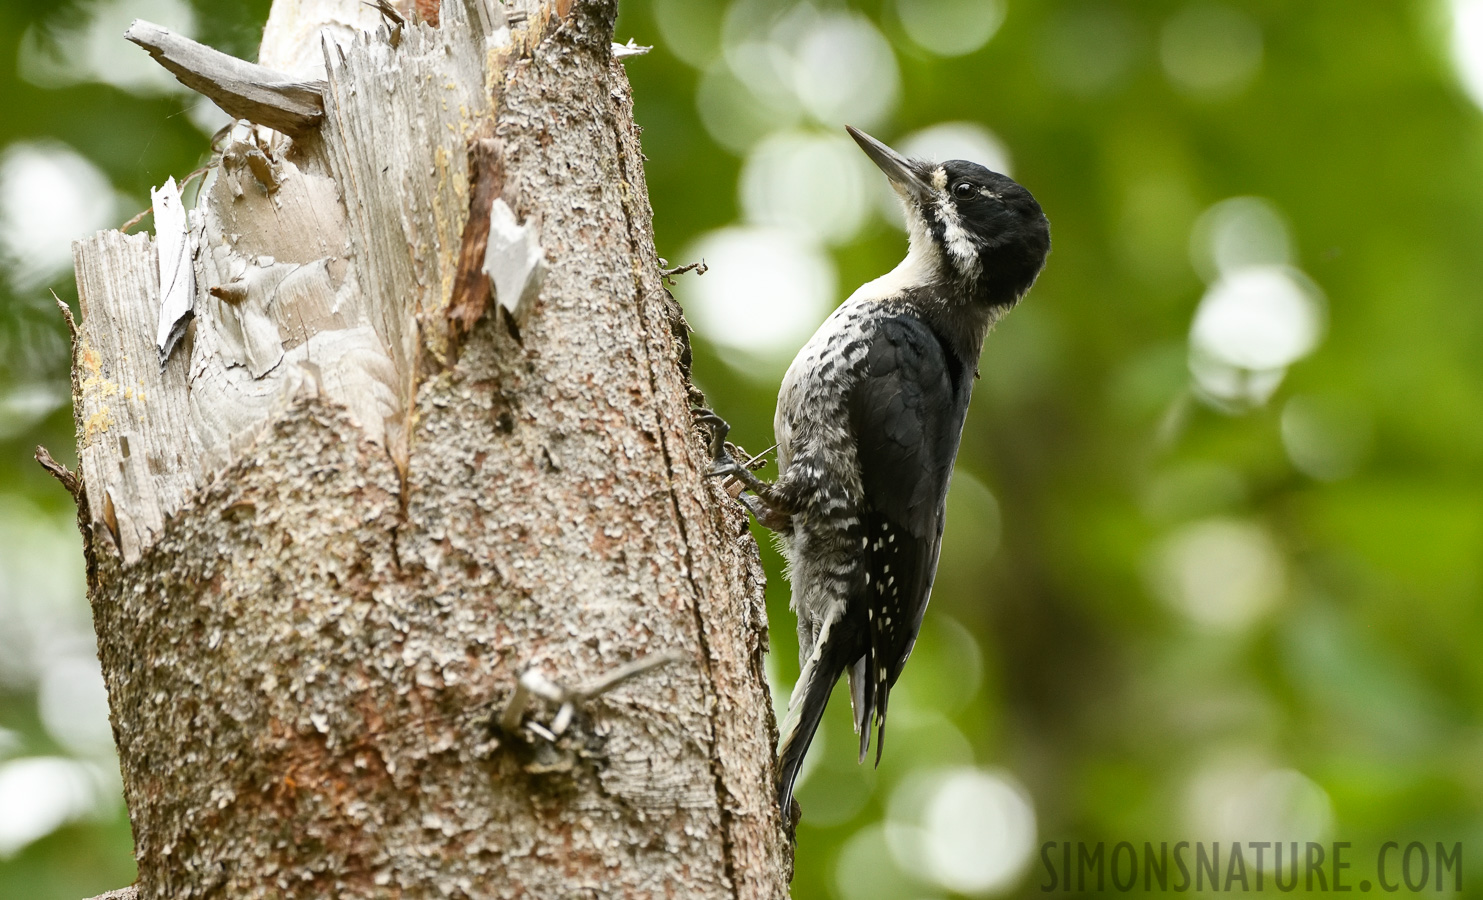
x=514, y=261
x=177, y=269
x=242, y=89
x=630, y=49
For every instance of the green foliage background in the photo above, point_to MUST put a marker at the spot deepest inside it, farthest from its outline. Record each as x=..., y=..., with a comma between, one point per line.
x=1050, y=655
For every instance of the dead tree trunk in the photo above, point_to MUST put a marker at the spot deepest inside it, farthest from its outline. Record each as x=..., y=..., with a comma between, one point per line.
x=361, y=497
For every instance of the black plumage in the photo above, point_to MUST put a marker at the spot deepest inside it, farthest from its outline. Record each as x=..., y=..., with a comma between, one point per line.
x=868, y=423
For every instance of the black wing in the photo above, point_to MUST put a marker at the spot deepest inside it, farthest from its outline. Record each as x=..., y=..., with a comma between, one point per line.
x=906, y=413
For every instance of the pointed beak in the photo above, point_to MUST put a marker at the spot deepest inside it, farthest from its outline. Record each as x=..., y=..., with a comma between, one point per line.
x=908, y=176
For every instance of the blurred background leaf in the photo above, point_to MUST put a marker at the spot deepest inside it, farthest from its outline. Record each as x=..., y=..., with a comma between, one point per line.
x=1212, y=567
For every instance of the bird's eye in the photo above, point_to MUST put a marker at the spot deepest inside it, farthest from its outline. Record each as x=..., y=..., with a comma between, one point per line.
x=963, y=190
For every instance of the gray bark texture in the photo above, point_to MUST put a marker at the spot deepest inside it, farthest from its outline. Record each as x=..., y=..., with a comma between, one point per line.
x=361, y=498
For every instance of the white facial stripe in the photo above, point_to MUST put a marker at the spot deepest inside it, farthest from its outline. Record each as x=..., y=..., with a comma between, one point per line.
x=924, y=260
x=960, y=246
x=988, y=193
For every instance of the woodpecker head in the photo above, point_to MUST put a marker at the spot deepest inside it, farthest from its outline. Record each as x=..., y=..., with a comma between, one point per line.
x=968, y=225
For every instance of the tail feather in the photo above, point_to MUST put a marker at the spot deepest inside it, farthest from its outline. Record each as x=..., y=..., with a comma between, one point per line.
x=805, y=711
x=880, y=723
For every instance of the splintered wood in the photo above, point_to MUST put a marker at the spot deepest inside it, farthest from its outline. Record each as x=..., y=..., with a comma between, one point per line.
x=305, y=271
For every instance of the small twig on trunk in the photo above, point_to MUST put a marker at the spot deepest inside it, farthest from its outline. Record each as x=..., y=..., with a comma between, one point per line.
x=66, y=315
x=66, y=476
x=699, y=268
x=533, y=683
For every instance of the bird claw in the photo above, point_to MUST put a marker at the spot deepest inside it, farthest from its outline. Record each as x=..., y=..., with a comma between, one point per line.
x=722, y=462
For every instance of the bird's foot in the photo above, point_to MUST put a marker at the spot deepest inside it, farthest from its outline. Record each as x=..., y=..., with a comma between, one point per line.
x=764, y=504
x=722, y=462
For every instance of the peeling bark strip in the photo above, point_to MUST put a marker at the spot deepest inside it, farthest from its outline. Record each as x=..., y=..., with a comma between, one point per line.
x=470, y=296
x=323, y=551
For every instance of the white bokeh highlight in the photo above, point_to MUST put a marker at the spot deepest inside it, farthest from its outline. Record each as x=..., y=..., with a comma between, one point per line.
x=690, y=30
x=1222, y=574
x=97, y=51
x=1237, y=233
x=845, y=71
x=1241, y=797
x=815, y=183
x=1259, y=315
x=46, y=645
x=968, y=830
x=867, y=870
x=1467, y=45
x=74, y=705
x=1260, y=318
x=23, y=405
x=1250, y=326
x=49, y=196
x=764, y=292
x=44, y=615
x=950, y=27
x=782, y=67
x=40, y=794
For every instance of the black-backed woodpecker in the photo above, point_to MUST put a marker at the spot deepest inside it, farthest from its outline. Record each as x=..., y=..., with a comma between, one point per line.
x=868, y=423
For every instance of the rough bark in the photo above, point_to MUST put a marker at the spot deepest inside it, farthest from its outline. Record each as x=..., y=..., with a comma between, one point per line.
x=328, y=535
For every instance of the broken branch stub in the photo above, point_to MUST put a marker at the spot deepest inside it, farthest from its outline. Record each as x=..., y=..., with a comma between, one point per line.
x=242, y=89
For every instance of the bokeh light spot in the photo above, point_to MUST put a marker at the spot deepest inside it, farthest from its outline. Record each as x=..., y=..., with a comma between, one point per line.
x=1210, y=50
x=765, y=292
x=971, y=831
x=74, y=705
x=1238, y=233
x=97, y=51
x=1249, y=327
x=691, y=31
x=40, y=794
x=1326, y=437
x=846, y=72
x=1467, y=45
x=49, y=197
x=734, y=114
x=1240, y=798
x=866, y=869
x=1223, y=574
x=950, y=27
x=815, y=183
x=1258, y=318
x=43, y=601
